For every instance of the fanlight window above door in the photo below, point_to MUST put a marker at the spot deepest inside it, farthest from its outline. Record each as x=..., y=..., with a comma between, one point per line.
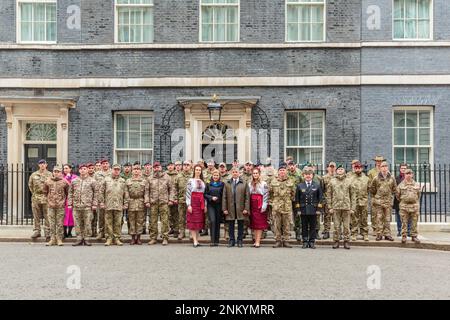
x=40, y=132
x=218, y=132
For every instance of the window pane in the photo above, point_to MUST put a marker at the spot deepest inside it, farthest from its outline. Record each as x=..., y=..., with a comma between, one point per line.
x=39, y=12
x=207, y=15
x=411, y=136
x=399, y=32
x=292, y=14
x=424, y=9
x=135, y=123
x=317, y=14
x=399, y=136
x=148, y=34
x=51, y=31
x=50, y=12
x=207, y=32
x=316, y=156
x=26, y=33
x=424, y=155
x=122, y=140
x=399, y=155
x=410, y=29
x=424, y=137
x=232, y=32
x=122, y=156
x=292, y=120
x=134, y=140
x=304, y=138
x=232, y=15
x=411, y=118
x=124, y=16
x=424, y=119
x=411, y=155
x=316, y=137
x=124, y=35
x=26, y=12
x=399, y=119
x=304, y=13
x=148, y=16
x=39, y=31
x=424, y=29
x=316, y=32
x=398, y=9
x=292, y=137
x=293, y=32
x=410, y=10
x=304, y=120
x=121, y=122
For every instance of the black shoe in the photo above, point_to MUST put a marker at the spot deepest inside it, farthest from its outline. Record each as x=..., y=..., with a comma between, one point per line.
x=317, y=235
x=312, y=245
x=399, y=234
x=240, y=244
x=231, y=244
x=204, y=233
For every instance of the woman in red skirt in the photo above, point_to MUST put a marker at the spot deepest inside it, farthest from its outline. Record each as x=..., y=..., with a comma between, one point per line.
x=196, y=204
x=259, y=200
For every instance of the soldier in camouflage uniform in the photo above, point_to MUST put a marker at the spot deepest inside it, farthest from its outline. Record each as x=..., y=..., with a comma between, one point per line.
x=326, y=179
x=178, y=166
x=246, y=176
x=281, y=196
x=408, y=193
x=39, y=200
x=98, y=166
x=159, y=196
x=382, y=189
x=296, y=177
x=91, y=172
x=173, y=214
x=180, y=196
x=147, y=172
x=125, y=175
x=361, y=187
x=268, y=175
x=111, y=198
x=134, y=202
x=99, y=178
x=371, y=175
x=83, y=199
x=342, y=204
x=56, y=188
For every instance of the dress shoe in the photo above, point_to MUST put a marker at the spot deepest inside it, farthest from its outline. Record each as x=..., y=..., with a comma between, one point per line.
x=231, y=243
x=286, y=244
x=346, y=245
x=415, y=240
x=240, y=244
x=379, y=238
x=305, y=245
x=389, y=238
x=87, y=243
x=403, y=239
x=326, y=235
x=312, y=245
x=336, y=245
x=138, y=240
x=78, y=243
x=278, y=245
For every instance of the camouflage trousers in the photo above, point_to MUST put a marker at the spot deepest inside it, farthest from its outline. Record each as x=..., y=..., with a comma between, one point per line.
x=56, y=221
x=407, y=215
x=173, y=221
x=136, y=219
x=383, y=220
x=327, y=218
x=341, y=217
x=359, y=221
x=94, y=220
x=282, y=222
x=101, y=216
x=113, y=224
x=40, y=211
x=373, y=218
x=160, y=210
x=182, y=218
x=83, y=222
x=318, y=223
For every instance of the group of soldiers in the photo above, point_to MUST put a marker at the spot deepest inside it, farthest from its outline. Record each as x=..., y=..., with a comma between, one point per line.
x=102, y=198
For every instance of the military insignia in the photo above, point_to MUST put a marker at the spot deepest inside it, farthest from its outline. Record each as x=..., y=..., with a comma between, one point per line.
x=303, y=190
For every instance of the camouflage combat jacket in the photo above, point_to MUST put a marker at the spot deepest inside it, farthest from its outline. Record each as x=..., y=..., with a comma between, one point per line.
x=112, y=193
x=281, y=195
x=83, y=193
x=135, y=194
x=56, y=190
x=180, y=186
x=361, y=188
x=159, y=189
x=383, y=189
x=340, y=194
x=36, y=185
x=408, y=193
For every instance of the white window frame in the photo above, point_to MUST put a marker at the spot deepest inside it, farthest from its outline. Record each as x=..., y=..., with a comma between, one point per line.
x=322, y=165
x=149, y=113
x=24, y=132
x=19, y=20
x=414, y=39
x=116, y=20
x=238, y=5
x=324, y=4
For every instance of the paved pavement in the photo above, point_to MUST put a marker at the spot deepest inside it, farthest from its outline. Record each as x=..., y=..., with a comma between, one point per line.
x=33, y=271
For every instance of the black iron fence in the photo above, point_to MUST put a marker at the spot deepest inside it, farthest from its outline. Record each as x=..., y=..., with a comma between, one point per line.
x=15, y=197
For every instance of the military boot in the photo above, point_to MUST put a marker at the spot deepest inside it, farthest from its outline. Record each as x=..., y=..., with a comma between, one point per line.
x=326, y=235
x=108, y=242
x=152, y=242
x=336, y=245
x=403, y=239
x=346, y=245
x=286, y=244
x=117, y=242
x=133, y=240
x=100, y=236
x=78, y=243
x=165, y=242
x=36, y=235
x=278, y=245
x=59, y=242
x=366, y=238
x=87, y=243
x=138, y=240
x=415, y=239
x=353, y=238
x=52, y=242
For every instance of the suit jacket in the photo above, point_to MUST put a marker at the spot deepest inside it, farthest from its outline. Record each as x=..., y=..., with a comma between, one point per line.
x=242, y=195
x=308, y=199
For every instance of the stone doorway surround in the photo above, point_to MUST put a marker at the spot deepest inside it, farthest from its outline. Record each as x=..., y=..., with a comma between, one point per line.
x=20, y=110
x=237, y=109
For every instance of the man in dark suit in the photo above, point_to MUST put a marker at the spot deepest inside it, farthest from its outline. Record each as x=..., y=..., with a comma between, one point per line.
x=308, y=200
